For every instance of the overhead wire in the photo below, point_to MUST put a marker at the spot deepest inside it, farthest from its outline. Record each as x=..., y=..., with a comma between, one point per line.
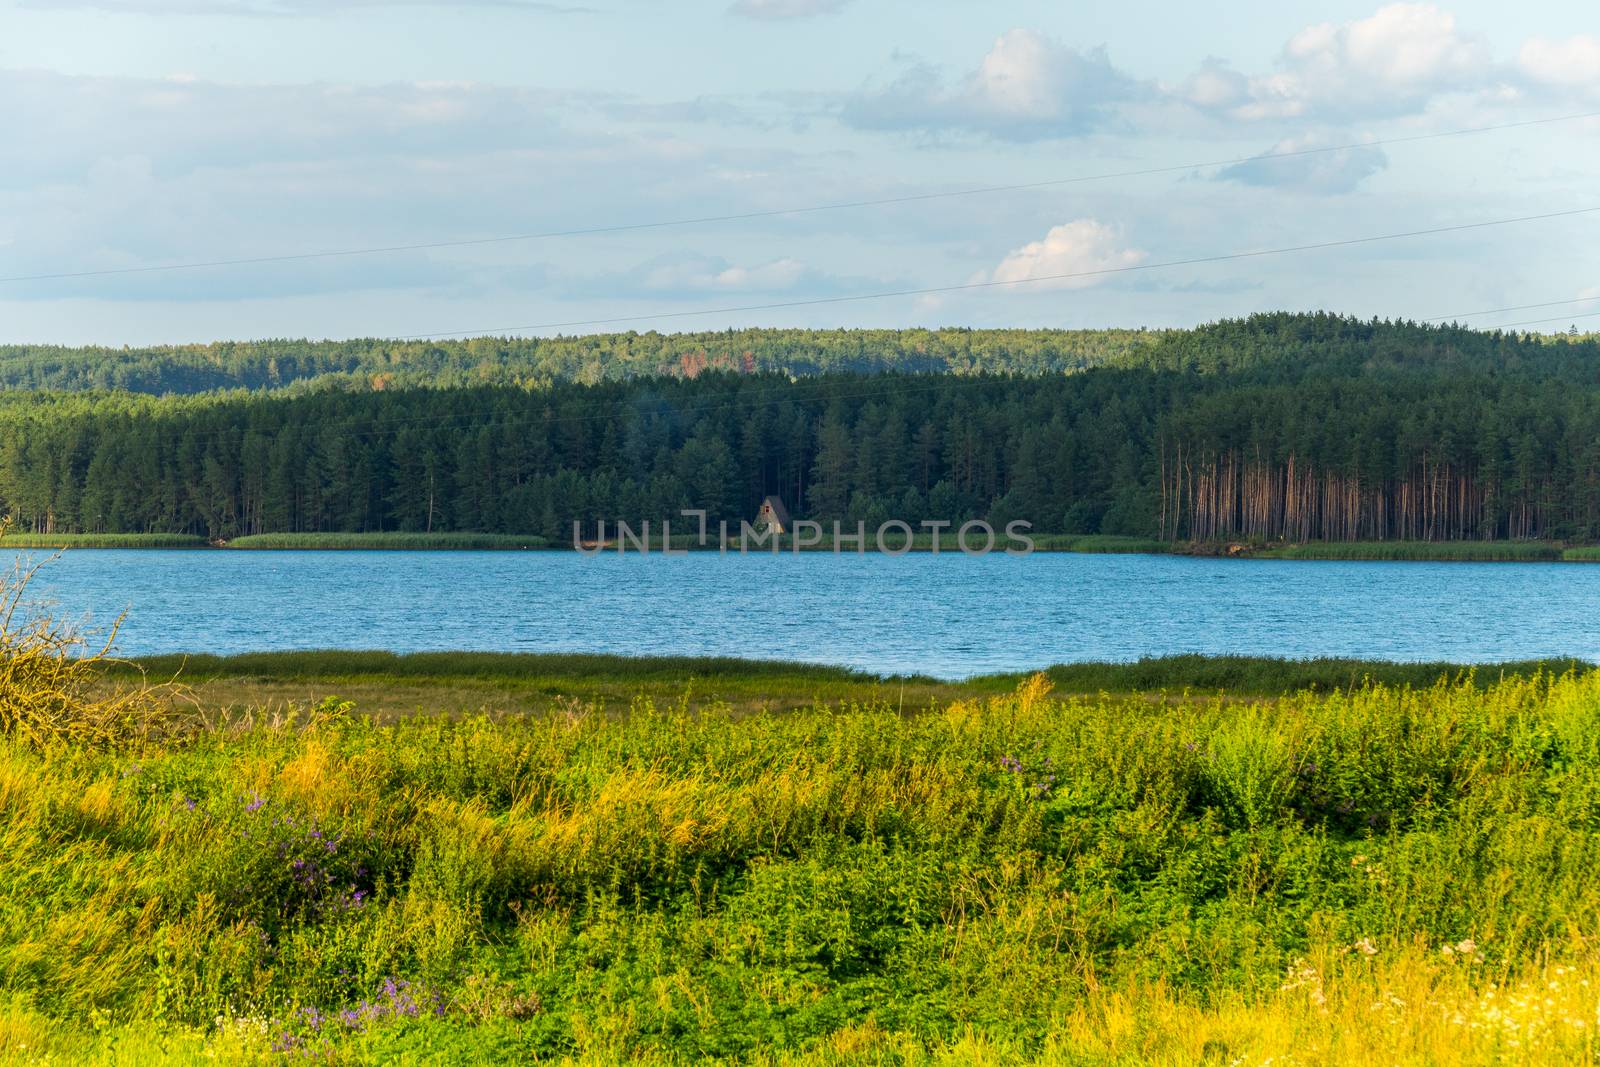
x=805, y=209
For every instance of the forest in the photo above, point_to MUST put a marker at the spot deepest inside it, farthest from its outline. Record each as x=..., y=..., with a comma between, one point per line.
x=376, y=363
x=1280, y=427
x=382, y=363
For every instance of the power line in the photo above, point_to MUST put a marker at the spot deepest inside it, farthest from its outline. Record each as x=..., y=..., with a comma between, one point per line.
x=701, y=220
x=1515, y=307
x=1535, y=322
x=969, y=286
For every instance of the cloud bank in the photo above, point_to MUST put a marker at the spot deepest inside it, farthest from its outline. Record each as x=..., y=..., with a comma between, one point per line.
x=1029, y=86
x=1399, y=62
x=1298, y=164
x=1080, y=247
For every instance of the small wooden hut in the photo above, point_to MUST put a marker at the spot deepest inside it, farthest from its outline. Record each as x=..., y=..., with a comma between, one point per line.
x=773, y=515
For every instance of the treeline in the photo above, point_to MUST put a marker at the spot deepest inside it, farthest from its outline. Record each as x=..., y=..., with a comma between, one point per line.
x=1262, y=451
x=499, y=459
x=1387, y=456
x=1282, y=345
x=376, y=364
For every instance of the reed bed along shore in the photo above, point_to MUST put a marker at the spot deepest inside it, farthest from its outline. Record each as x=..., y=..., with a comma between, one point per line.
x=1445, y=551
x=15, y=540
x=1418, y=551
x=468, y=541
x=1389, y=874
x=667, y=679
x=387, y=686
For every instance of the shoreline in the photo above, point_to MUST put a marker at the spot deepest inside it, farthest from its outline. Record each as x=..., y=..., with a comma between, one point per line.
x=399, y=685
x=1089, y=544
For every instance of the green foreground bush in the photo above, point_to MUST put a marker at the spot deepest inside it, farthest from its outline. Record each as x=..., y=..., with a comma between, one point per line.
x=844, y=884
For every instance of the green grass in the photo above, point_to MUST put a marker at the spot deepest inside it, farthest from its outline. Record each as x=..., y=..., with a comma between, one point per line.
x=498, y=666
x=1101, y=543
x=389, y=687
x=388, y=541
x=1485, y=551
x=670, y=675
x=1018, y=878
x=14, y=539
x=1267, y=676
x=393, y=686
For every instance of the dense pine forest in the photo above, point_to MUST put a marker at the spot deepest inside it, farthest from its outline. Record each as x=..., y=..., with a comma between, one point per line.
x=1288, y=427
x=524, y=361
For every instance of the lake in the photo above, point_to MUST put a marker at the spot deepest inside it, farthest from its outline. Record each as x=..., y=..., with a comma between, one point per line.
x=948, y=615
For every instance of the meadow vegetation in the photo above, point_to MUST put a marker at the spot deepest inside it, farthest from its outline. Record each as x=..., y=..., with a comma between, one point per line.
x=386, y=684
x=1397, y=874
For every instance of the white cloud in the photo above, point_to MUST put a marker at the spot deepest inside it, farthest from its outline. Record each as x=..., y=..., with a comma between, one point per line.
x=1027, y=87
x=1391, y=63
x=1081, y=247
x=55, y=125
x=1403, y=60
x=691, y=276
x=786, y=9
x=107, y=174
x=706, y=275
x=1298, y=163
x=1572, y=63
x=1215, y=86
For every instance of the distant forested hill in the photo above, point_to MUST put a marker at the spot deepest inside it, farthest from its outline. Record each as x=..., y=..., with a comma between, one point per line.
x=1292, y=347
x=1286, y=345
x=1280, y=426
x=376, y=363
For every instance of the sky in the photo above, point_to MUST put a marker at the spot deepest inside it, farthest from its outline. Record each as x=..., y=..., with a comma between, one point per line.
x=149, y=133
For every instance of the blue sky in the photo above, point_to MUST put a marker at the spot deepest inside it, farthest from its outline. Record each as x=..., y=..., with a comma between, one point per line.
x=140, y=132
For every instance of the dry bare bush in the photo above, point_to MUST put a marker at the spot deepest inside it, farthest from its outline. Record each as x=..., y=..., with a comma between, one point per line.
x=54, y=686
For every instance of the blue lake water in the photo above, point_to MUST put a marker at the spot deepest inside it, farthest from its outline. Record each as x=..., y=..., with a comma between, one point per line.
x=946, y=615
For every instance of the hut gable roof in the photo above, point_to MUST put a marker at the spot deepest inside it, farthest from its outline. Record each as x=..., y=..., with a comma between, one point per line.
x=780, y=514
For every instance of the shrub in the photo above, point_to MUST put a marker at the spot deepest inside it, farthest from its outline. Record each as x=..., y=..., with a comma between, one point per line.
x=52, y=687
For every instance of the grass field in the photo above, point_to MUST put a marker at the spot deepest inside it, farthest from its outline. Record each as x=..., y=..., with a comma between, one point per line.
x=1394, y=875
x=386, y=685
